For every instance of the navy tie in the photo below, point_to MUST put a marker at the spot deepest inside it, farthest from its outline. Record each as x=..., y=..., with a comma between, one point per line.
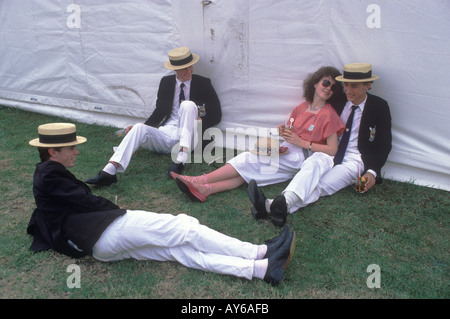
x=345, y=137
x=181, y=99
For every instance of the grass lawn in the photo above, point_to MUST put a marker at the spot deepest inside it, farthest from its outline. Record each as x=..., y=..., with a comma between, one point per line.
x=401, y=227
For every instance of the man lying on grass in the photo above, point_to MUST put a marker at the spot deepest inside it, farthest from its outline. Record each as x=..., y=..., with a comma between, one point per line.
x=71, y=220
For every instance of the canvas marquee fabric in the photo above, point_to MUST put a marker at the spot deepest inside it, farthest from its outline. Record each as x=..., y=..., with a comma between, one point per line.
x=101, y=61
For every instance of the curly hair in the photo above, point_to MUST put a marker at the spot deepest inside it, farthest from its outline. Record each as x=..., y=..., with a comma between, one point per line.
x=314, y=78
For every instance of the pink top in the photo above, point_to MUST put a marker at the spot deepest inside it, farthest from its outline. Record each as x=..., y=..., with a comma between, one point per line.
x=316, y=127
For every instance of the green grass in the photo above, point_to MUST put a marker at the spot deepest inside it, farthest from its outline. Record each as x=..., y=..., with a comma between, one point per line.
x=401, y=227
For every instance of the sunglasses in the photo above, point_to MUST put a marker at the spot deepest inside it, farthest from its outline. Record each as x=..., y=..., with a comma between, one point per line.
x=334, y=88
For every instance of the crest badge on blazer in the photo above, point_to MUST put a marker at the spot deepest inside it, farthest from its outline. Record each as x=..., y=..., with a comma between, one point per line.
x=373, y=131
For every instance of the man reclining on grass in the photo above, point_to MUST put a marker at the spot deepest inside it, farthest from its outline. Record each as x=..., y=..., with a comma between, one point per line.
x=71, y=220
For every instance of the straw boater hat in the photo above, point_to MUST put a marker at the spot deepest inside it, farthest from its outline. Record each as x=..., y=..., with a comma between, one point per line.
x=57, y=135
x=357, y=72
x=180, y=58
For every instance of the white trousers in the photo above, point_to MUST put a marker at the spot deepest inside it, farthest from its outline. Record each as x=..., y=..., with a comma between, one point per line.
x=315, y=180
x=160, y=140
x=163, y=237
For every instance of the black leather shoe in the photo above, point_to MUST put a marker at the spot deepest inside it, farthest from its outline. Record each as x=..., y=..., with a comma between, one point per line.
x=102, y=179
x=258, y=200
x=278, y=263
x=176, y=168
x=278, y=211
x=275, y=243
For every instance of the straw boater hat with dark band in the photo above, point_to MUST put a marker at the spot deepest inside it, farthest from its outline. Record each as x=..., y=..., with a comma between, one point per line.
x=180, y=58
x=357, y=72
x=57, y=135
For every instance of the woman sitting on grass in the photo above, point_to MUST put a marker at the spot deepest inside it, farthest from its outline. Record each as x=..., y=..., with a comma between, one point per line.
x=313, y=140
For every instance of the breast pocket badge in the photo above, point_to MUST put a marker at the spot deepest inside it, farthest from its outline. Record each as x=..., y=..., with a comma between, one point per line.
x=373, y=131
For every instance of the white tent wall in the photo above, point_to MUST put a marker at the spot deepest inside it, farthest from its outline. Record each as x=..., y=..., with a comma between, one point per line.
x=96, y=61
x=100, y=62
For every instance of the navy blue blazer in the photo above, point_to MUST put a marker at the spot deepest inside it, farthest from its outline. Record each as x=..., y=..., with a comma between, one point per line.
x=201, y=92
x=374, y=136
x=67, y=210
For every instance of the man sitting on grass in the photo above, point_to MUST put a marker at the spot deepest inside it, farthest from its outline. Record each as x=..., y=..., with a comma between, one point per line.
x=71, y=220
x=363, y=149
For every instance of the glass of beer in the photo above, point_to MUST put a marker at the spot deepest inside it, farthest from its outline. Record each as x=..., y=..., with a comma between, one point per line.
x=359, y=183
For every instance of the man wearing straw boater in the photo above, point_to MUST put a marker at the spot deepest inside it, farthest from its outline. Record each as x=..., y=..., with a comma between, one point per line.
x=174, y=120
x=363, y=148
x=71, y=220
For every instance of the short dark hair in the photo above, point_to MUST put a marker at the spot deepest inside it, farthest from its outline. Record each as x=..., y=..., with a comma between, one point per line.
x=314, y=78
x=44, y=154
x=367, y=83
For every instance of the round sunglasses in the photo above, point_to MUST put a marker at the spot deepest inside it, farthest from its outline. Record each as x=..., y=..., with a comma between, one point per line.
x=334, y=88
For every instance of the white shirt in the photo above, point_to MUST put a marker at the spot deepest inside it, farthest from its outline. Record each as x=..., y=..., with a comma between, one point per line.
x=175, y=105
x=352, y=146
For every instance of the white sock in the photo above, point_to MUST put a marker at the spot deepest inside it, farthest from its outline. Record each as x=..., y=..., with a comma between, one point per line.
x=268, y=203
x=262, y=250
x=260, y=268
x=291, y=199
x=182, y=157
x=110, y=168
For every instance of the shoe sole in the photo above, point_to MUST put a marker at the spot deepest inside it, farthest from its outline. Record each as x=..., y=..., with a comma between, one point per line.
x=279, y=211
x=101, y=184
x=291, y=253
x=279, y=222
x=90, y=182
x=185, y=189
x=257, y=214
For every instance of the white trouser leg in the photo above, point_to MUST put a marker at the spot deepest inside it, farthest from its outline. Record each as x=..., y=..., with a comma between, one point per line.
x=305, y=181
x=333, y=180
x=189, y=131
x=154, y=139
x=146, y=235
x=190, y=257
x=187, y=123
x=160, y=140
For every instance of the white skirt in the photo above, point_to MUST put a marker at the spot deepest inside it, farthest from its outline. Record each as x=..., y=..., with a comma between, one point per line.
x=267, y=170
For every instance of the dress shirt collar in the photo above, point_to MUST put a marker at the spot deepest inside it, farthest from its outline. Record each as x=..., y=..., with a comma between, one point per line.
x=349, y=104
x=186, y=83
x=187, y=88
